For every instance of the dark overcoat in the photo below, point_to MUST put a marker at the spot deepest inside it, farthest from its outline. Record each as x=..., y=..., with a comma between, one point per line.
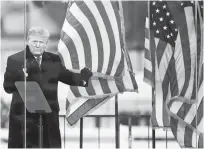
x=47, y=76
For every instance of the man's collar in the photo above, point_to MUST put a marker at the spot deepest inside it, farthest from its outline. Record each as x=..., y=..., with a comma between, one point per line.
x=38, y=56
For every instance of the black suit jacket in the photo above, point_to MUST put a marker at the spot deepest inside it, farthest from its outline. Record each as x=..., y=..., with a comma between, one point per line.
x=47, y=77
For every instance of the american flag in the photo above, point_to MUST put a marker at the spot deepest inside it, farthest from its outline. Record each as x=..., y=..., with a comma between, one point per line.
x=171, y=54
x=186, y=115
x=186, y=119
x=91, y=37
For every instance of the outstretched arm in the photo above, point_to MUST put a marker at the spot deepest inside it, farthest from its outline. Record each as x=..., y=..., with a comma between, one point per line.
x=76, y=79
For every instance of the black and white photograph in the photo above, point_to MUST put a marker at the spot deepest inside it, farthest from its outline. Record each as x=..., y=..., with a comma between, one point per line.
x=102, y=74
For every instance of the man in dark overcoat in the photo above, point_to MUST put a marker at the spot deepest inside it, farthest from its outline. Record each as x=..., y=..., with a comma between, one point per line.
x=46, y=69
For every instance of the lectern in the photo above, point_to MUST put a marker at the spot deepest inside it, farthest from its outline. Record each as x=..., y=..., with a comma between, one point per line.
x=35, y=102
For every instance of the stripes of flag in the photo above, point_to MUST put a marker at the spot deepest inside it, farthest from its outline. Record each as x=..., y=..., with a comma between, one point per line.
x=173, y=51
x=91, y=37
x=186, y=115
x=149, y=57
x=187, y=120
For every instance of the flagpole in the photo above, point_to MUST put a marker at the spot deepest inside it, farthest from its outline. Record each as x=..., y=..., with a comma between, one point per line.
x=81, y=134
x=166, y=139
x=25, y=31
x=154, y=77
x=130, y=131
x=127, y=58
x=117, y=128
x=26, y=26
x=64, y=130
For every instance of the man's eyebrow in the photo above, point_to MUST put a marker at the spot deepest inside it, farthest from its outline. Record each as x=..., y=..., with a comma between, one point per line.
x=39, y=41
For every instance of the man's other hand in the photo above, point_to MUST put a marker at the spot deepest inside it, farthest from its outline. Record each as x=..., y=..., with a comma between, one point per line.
x=86, y=73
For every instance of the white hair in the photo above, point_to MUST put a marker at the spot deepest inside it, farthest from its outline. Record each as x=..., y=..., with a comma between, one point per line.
x=38, y=31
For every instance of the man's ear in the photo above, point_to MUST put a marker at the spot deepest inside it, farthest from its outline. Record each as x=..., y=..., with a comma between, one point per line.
x=28, y=42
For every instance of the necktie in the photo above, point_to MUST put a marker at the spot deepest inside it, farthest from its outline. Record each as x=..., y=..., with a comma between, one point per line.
x=38, y=59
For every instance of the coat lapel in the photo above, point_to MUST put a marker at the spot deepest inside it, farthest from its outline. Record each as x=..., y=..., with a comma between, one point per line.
x=45, y=62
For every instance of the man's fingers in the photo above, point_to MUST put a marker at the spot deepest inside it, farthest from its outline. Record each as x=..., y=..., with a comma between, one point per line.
x=25, y=73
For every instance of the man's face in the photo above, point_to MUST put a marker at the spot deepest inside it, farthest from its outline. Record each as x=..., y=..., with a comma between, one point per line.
x=37, y=45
